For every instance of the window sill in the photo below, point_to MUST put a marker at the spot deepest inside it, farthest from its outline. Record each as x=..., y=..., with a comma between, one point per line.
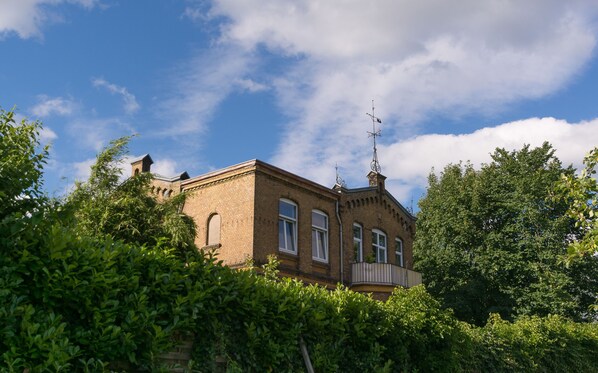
x=287, y=252
x=317, y=261
x=212, y=247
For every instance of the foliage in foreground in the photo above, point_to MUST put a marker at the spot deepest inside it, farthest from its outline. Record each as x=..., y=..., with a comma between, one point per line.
x=70, y=304
x=87, y=302
x=80, y=305
x=265, y=319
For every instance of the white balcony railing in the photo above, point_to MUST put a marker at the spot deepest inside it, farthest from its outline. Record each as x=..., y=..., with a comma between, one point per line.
x=383, y=274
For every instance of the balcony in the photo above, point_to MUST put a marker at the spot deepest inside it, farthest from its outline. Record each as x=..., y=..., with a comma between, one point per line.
x=383, y=274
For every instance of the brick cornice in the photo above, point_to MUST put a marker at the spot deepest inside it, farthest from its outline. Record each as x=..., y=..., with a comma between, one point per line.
x=200, y=184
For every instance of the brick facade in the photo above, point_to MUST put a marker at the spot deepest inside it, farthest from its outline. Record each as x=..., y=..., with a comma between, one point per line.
x=239, y=207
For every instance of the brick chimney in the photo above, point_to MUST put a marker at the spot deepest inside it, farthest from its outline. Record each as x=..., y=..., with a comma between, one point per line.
x=377, y=180
x=141, y=164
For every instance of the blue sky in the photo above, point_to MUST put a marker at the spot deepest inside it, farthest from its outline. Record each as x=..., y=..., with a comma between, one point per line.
x=207, y=84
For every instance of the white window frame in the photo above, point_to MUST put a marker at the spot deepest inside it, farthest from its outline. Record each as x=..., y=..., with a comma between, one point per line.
x=286, y=220
x=399, y=253
x=358, y=243
x=378, y=248
x=319, y=253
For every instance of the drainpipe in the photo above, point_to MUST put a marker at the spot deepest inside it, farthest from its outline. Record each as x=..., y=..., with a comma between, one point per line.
x=340, y=224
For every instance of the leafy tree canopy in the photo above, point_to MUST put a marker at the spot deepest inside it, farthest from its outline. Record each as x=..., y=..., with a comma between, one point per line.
x=21, y=161
x=490, y=240
x=582, y=191
x=105, y=205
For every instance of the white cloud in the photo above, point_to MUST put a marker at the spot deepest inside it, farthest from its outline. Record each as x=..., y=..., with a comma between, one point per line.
x=194, y=14
x=251, y=86
x=26, y=17
x=52, y=105
x=165, y=167
x=415, y=58
x=130, y=103
x=96, y=133
x=83, y=169
x=46, y=135
x=200, y=85
x=408, y=163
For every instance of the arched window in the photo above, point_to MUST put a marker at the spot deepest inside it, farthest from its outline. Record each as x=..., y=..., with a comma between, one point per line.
x=358, y=242
x=399, y=252
x=319, y=235
x=379, y=245
x=287, y=226
x=214, y=230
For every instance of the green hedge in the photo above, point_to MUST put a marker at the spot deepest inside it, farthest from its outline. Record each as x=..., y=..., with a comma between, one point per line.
x=262, y=320
x=78, y=304
x=534, y=344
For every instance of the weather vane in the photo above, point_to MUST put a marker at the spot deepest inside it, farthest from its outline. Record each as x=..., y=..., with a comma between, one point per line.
x=375, y=165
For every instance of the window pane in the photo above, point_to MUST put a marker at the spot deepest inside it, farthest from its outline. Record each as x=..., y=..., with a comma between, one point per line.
x=357, y=232
x=382, y=240
x=374, y=238
x=399, y=259
x=319, y=220
x=357, y=242
x=281, y=235
x=381, y=255
x=399, y=252
x=286, y=235
x=287, y=209
x=290, y=235
x=322, y=245
x=319, y=244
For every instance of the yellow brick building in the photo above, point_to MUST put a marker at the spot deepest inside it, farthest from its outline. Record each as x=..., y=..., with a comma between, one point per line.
x=360, y=237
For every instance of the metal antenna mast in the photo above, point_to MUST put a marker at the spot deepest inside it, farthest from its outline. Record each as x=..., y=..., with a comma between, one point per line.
x=375, y=165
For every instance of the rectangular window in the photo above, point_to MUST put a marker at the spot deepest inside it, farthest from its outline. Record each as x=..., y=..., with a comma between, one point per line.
x=379, y=245
x=319, y=236
x=357, y=242
x=287, y=226
x=399, y=252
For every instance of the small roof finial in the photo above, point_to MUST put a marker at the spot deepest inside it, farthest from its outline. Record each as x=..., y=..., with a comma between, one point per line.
x=339, y=181
x=375, y=165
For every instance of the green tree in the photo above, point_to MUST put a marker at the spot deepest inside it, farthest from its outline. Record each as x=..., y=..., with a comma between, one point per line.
x=21, y=162
x=490, y=241
x=582, y=191
x=126, y=210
